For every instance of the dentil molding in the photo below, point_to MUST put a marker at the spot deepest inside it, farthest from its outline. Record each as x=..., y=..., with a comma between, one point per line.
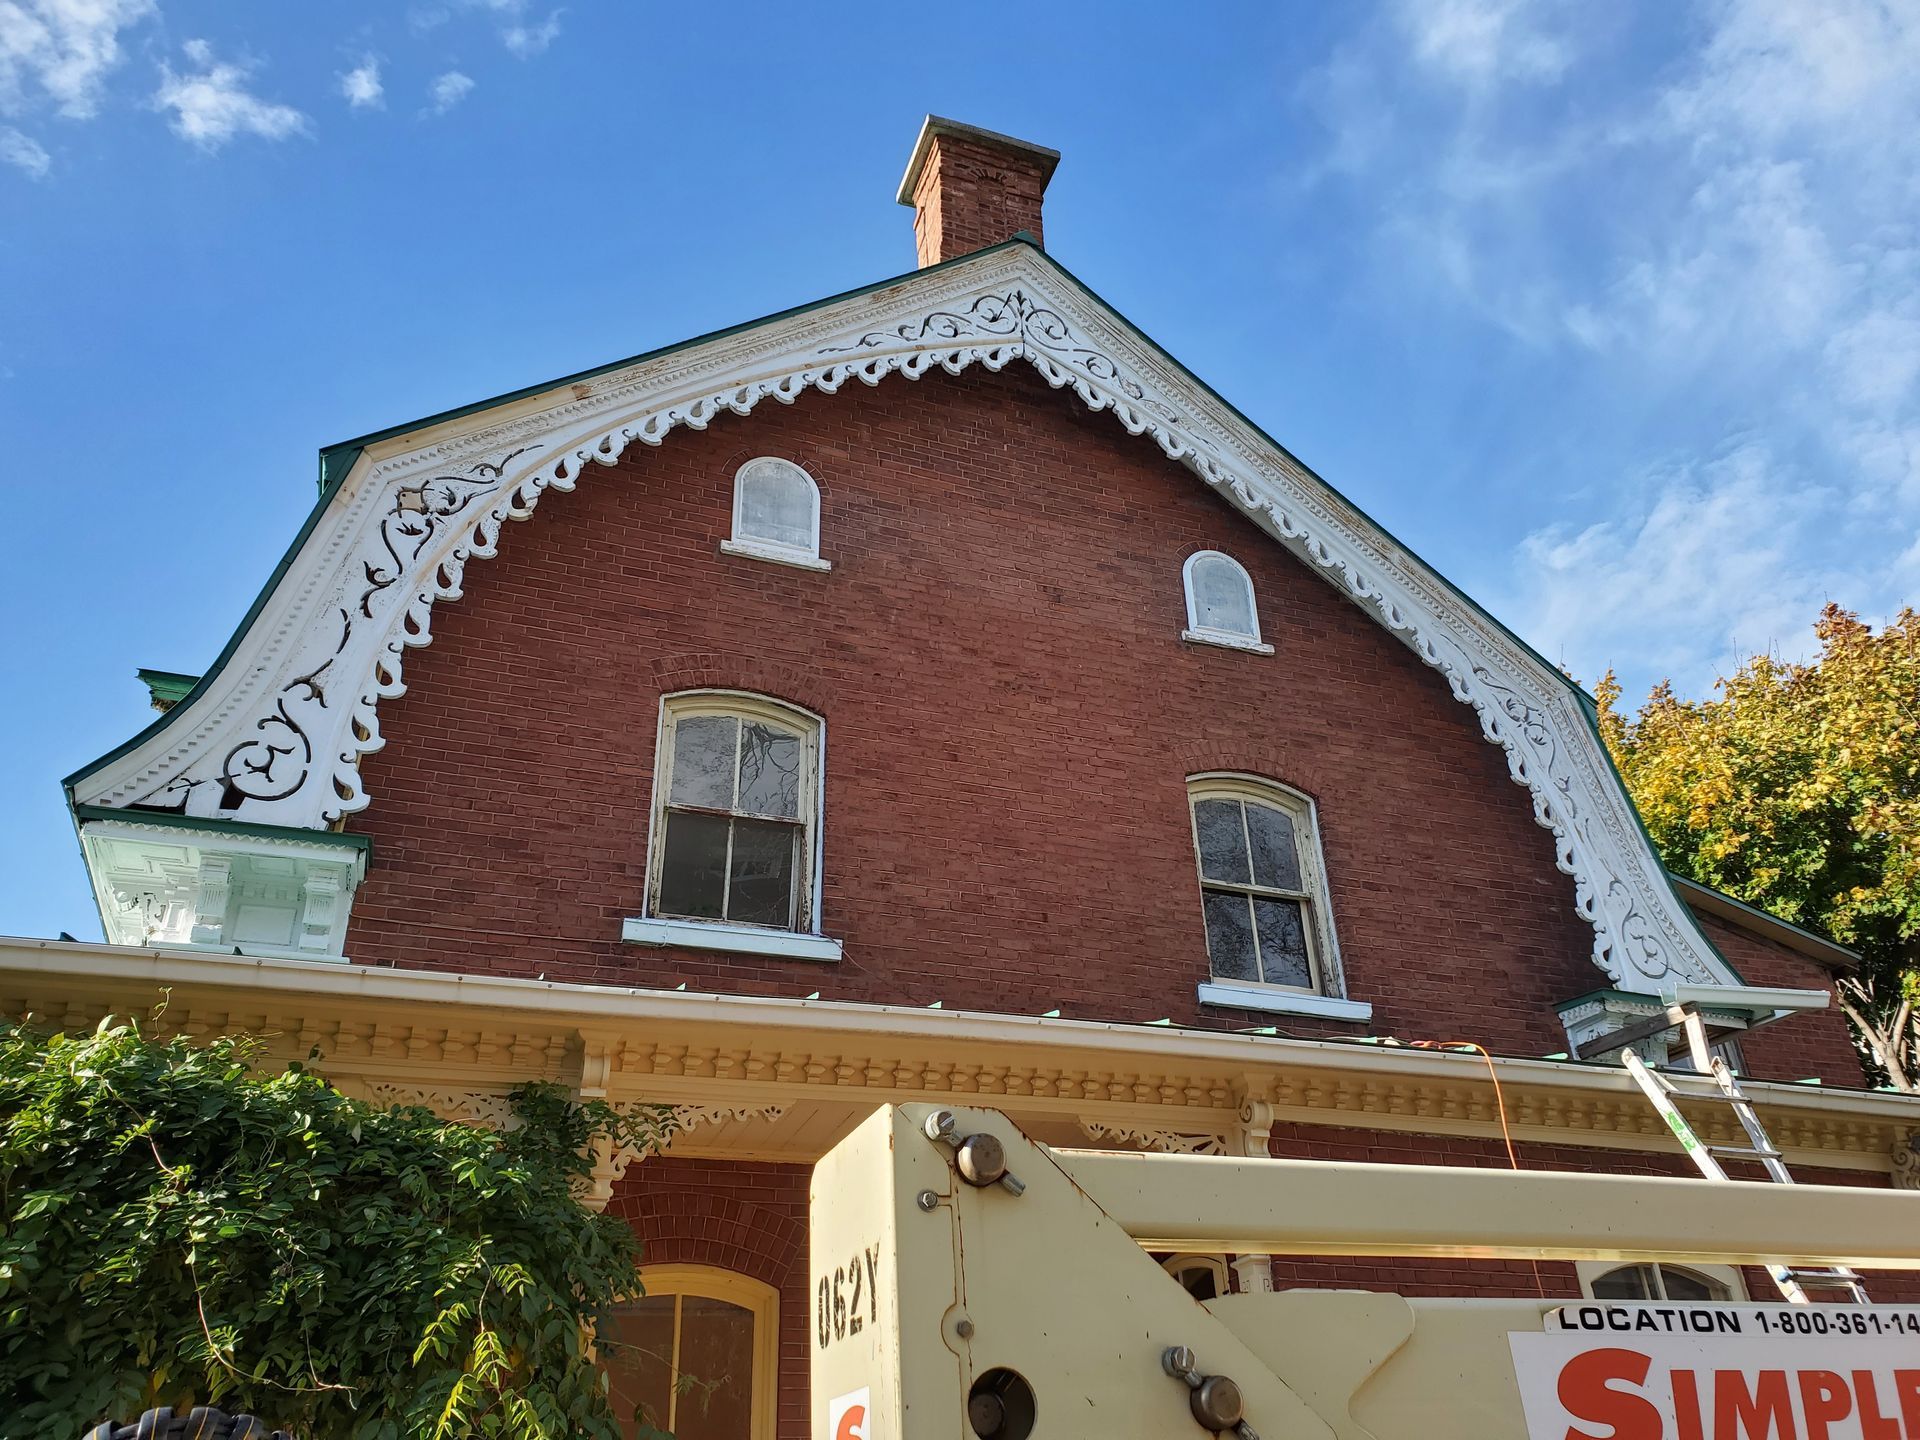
x=278, y=734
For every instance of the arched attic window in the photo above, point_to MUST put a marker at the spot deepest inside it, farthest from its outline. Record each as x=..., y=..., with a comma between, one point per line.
x=776, y=514
x=1220, y=608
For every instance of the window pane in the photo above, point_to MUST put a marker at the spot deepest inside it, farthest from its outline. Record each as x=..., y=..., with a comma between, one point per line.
x=636, y=1346
x=776, y=505
x=1230, y=937
x=762, y=890
x=1222, y=596
x=1283, y=942
x=1276, y=860
x=1223, y=844
x=1629, y=1282
x=716, y=1365
x=769, y=771
x=1686, y=1285
x=693, y=870
x=703, y=761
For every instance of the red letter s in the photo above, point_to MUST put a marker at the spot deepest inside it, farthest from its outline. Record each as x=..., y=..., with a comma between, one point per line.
x=1587, y=1394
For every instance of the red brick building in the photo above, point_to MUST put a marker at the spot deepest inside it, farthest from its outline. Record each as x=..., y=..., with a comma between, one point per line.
x=932, y=692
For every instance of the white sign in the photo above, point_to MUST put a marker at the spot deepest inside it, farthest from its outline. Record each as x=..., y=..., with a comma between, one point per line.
x=1607, y=1371
x=847, y=1415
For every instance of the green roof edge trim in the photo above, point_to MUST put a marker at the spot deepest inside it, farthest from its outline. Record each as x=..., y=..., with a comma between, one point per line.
x=172, y=820
x=168, y=685
x=1588, y=707
x=337, y=462
x=1766, y=917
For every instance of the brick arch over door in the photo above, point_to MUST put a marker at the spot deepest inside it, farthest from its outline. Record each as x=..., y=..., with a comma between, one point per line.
x=746, y=1217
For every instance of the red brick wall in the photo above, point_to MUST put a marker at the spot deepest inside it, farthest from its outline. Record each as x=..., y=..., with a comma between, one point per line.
x=1011, y=716
x=1806, y=1046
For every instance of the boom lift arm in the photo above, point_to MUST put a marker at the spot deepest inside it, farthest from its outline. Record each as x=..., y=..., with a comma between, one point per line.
x=969, y=1283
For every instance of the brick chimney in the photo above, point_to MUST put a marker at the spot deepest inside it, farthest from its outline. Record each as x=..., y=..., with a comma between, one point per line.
x=972, y=188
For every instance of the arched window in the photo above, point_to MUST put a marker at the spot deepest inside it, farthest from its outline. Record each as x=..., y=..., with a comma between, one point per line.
x=1220, y=608
x=776, y=514
x=1202, y=1276
x=697, y=1355
x=736, y=812
x=1661, y=1282
x=1262, y=891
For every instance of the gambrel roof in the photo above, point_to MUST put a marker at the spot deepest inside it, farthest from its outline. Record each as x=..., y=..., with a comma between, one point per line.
x=273, y=734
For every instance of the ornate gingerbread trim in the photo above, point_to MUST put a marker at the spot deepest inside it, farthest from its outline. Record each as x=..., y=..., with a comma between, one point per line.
x=279, y=735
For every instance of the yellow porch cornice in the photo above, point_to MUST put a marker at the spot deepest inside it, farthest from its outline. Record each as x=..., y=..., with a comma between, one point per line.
x=779, y=1079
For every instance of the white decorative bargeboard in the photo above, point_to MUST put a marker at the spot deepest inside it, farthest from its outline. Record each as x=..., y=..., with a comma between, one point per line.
x=277, y=735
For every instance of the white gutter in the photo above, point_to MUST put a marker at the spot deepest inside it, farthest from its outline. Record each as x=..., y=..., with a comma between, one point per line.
x=599, y=1006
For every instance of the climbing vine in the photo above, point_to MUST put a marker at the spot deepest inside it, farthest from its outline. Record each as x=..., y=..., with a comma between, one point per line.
x=179, y=1228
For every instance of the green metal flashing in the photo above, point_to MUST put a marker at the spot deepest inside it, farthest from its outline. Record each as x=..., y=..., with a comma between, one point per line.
x=167, y=687
x=1763, y=921
x=172, y=820
x=338, y=460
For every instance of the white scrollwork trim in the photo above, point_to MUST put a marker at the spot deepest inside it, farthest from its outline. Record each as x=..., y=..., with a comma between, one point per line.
x=482, y=1109
x=1170, y=1142
x=278, y=736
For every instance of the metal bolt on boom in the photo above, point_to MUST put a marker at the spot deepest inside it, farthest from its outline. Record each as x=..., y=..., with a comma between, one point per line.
x=981, y=1159
x=1214, y=1399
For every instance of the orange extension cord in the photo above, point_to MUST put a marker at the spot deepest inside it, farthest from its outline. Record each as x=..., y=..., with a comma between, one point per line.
x=1500, y=1105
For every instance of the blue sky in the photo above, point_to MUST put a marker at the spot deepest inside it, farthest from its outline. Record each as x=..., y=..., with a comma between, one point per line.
x=1609, y=311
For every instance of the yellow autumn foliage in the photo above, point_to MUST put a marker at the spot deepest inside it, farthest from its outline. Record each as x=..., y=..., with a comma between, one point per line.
x=1797, y=789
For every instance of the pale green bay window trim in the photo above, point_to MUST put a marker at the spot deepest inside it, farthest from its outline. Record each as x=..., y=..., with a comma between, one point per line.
x=659, y=925
x=1325, y=996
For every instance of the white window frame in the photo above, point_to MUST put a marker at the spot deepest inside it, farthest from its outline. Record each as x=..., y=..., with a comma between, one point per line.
x=1200, y=634
x=1215, y=1265
x=805, y=941
x=755, y=548
x=1725, y=1276
x=1327, y=999
x=762, y=1301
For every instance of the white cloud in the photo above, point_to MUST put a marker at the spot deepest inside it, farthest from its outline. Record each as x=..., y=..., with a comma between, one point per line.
x=1478, y=42
x=1718, y=244
x=1699, y=569
x=449, y=90
x=212, y=105
x=361, y=85
x=526, y=41
x=24, y=153
x=62, y=50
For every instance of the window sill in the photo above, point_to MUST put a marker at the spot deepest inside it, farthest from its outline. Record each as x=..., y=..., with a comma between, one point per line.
x=1282, y=1002
x=1225, y=641
x=738, y=939
x=798, y=559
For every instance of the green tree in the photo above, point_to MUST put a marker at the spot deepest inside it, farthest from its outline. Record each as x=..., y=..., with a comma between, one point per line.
x=180, y=1229
x=1797, y=790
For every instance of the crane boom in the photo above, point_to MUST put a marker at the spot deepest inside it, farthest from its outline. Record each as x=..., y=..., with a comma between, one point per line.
x=969, y=1283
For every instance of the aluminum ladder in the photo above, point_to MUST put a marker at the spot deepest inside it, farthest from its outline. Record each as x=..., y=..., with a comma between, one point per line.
x=1793, y=1283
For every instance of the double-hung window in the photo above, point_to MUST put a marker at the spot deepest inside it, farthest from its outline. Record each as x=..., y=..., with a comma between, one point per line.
x=1263, y=896
x=735, y=827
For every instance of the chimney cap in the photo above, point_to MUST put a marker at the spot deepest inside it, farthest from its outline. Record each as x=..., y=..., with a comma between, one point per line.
x=940, y=125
